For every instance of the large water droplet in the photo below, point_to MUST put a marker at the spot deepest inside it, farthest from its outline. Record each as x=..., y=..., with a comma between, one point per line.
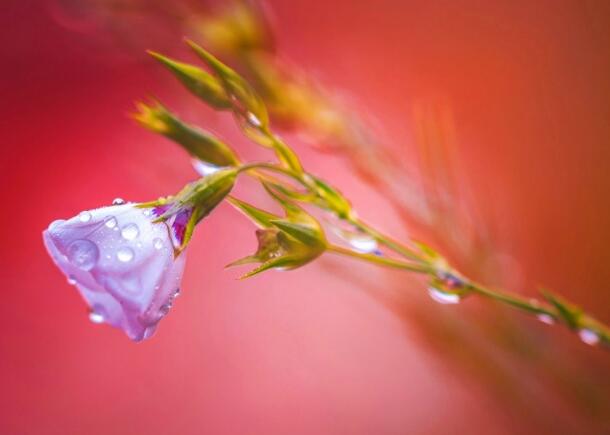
x=130, y=232
x=118, y=201
x=96, y=317
x=204, y=168
x=363, y=243
x=83, y=254
x=545, y=318
x=125, y=255
x=589, y=337
x=111, y=222
x=84, y=216
x=443, y=297
x=158, y=243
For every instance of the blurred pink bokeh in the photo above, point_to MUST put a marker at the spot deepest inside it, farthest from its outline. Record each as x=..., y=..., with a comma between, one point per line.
x=332, y=348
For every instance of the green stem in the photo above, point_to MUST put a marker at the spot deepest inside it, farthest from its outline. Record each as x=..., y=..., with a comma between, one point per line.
x=379, y=260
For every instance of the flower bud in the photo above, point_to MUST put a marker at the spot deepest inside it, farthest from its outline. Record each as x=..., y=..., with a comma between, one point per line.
x=283, y=243
x=122, y=263
x=200, y=144
x=199, y=82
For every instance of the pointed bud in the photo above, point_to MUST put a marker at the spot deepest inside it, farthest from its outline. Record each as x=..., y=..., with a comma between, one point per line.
x=193, y=203
x=247, y=104
x=283, y=243
x=199, y=82
x=198, y=143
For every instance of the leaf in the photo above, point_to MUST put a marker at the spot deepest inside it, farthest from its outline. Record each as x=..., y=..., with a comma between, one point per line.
x=198, y=143
x=199, y=82
x=260, y=217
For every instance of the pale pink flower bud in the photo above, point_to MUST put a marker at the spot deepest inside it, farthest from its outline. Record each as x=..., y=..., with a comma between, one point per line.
x=122, y=263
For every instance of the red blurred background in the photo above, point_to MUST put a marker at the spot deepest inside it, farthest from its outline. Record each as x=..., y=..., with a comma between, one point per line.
x=330, y=348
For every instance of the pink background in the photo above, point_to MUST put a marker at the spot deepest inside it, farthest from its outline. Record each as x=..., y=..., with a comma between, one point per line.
x=331, y=348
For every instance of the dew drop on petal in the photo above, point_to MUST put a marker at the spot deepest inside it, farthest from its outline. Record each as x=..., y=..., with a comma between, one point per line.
x=443, y=297
x=589, y=337
x=84, y=216
x=96, y=317
x=111, y=222
x=158, y=243
x=130, y=232
x=125, y=255
x=71, y=280
x=118, y=201
x=83, y=254
x=545, y=318
x=176, y=293
x=147, y=212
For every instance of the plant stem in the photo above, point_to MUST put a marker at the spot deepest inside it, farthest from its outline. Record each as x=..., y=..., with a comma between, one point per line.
x=376, y=259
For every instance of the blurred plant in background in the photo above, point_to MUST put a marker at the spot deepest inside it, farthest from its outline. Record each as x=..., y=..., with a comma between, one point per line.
x=431, y=198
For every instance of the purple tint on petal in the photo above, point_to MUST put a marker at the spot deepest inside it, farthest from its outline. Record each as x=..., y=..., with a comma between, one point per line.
x=180, y=223
x=160, y=209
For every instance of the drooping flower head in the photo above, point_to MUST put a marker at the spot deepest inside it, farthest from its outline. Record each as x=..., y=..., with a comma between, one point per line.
x=122, y=263
x=127, y=259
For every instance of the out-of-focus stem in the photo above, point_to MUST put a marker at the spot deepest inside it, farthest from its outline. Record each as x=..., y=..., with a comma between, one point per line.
x=383, y=261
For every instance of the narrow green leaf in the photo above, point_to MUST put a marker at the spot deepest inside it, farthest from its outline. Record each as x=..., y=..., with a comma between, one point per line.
x=260, y=217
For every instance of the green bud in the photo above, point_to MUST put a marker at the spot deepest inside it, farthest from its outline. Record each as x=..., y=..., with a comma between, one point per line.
x=247, y=104
x=197, y=200
x=199, y=82
x=283, y=243
x=198, y=143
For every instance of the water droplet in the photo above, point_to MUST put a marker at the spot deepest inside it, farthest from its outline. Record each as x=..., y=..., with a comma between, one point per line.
x=176, y=293
x=125, y=254
x=111, y=222
x=130, y=232
x=204, y=168
x=118, y=201
x=83, y=254
x=84, y=216
x=96, y=317
x=589, y=337
x=443, y=297
x=363, y=243
x=165, y=308
x=545, y=318
x=56, y=223
x=71, y=280
x=147, y=212
x=158, y=243
x=252, y=119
